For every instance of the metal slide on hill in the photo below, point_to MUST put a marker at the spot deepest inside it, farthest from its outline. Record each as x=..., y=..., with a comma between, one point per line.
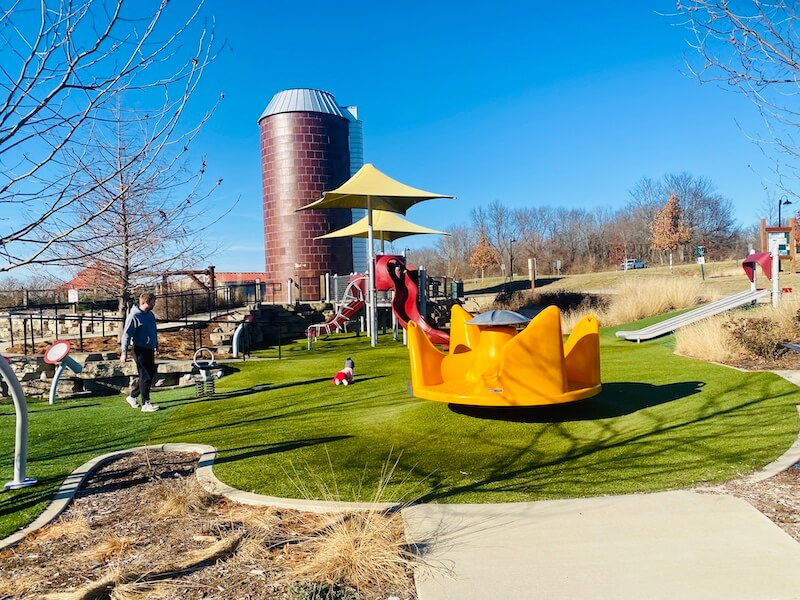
x=698, y=314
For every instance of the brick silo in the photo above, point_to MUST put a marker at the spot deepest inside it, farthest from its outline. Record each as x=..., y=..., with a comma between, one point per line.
x=304, y=152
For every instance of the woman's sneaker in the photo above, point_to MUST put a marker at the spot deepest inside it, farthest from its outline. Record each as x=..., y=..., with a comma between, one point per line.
x=147, y=407
x=132, y=401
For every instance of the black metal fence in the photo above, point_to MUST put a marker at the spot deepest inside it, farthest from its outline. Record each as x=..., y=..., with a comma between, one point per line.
x=27, y=330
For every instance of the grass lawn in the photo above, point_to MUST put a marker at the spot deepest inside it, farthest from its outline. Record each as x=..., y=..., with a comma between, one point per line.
x=662, y=422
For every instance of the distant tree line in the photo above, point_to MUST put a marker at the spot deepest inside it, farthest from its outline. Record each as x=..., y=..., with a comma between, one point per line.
x=585, y=240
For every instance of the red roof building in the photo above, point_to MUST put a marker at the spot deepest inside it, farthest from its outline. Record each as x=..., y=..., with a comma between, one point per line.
x=94, y=277
x=223, y=278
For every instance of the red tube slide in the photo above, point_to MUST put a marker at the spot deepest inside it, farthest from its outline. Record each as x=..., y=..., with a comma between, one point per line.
x=392, y=273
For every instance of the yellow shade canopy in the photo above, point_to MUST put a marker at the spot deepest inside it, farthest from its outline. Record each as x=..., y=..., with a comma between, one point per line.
x=388, y=227
x=373, y=190
x=371, y=187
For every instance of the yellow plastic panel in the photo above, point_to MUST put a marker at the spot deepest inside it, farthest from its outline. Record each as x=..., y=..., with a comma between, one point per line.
x=533, y=361
x=426, y=359
x=462, y=337
x=582, y=354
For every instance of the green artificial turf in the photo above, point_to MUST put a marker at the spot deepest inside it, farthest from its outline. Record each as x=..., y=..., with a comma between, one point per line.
x=661, y=422
x=62, y=437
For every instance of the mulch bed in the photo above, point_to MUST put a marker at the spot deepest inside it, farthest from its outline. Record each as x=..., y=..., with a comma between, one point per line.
x=141, y=527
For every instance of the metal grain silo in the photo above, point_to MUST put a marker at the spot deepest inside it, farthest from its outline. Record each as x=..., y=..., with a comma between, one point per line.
x=356, y=139
x=304, y=152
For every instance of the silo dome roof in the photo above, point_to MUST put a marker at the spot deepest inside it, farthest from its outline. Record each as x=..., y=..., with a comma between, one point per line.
x=302, y=100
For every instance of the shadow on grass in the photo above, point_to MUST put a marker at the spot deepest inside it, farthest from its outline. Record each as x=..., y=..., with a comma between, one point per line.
x=48, y=408
x=518, y=285
x=531, y=468
x=616, y=400
x=255, y=389
x=234, y=454
x=293, y=413
x=18, y=500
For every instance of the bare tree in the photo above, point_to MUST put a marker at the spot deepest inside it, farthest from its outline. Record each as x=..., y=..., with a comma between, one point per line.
x=454, y=249
x=497, y=224
x=534, y=225
x=753, y=47
x=65, y=66
x=147, y=215
x=709, y=215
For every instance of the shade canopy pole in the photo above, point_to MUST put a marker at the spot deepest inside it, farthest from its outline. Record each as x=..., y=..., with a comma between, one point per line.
x=373, y=295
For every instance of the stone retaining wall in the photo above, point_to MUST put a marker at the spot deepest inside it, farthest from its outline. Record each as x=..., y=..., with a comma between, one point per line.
x=102, y=374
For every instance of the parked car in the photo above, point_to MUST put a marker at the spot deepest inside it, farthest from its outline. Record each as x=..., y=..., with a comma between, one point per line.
x=632, y=263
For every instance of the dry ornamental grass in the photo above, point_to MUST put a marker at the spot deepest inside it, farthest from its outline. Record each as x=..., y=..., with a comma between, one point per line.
x=141, y=527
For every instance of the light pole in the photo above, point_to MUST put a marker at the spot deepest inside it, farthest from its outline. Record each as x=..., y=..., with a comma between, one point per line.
x=511, y=257
x=782, y=201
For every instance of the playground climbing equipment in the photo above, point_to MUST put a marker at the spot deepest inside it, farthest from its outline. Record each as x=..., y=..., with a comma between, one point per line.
x=352, y=302
x=58, y=354
x=392, y=273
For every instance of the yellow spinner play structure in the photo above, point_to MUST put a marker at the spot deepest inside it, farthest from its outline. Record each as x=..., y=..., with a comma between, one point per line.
x=490, y=362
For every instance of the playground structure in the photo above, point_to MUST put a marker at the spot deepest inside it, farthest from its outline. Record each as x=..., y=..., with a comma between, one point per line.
x=769, y=265
x=352, y=302
x=204, y=384
x=494, y=364
x=392, y=274
x=58, y=354
x=783, y=240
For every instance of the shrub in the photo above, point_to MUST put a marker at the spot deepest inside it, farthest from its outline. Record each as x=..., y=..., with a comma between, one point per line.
x=565, y=300
x=638, y=299
x=320, y=591
x=760, y=336
x=709, y=340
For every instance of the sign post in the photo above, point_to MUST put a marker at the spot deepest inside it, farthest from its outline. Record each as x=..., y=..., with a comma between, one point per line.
x=700, y=252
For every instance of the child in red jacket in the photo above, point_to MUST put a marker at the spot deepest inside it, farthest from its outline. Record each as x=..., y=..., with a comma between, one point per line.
x=345, y=376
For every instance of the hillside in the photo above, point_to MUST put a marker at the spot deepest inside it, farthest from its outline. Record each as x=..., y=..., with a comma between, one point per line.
x=722, y=279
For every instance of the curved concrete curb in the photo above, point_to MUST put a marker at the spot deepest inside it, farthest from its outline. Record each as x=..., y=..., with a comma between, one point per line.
x=209, y=481
x=206, y=478
x=783, y=462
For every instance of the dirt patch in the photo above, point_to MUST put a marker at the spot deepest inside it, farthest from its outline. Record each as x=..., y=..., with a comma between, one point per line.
x=141, y=527
x=789, y=361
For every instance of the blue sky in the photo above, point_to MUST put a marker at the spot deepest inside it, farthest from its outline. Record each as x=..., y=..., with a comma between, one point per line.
x=560, y=104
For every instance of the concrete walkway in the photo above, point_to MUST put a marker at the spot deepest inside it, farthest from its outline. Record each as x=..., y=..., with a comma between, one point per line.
x=668, y=545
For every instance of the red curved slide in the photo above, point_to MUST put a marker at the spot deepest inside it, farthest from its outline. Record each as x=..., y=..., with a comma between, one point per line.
x=391, y=272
